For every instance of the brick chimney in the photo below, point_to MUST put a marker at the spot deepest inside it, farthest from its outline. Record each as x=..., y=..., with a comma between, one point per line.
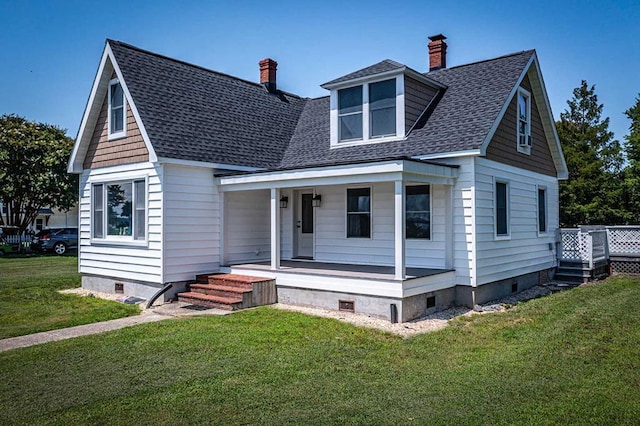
x=437, y=52
x=268, y=74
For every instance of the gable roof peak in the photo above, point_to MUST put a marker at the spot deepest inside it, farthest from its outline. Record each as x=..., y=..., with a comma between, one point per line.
x=112, y=43
x=382, y=67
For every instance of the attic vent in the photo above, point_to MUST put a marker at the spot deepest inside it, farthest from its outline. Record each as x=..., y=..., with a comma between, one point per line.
x=346, y=305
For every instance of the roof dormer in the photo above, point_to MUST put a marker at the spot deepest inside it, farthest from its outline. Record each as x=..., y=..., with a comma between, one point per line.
x=379, y=103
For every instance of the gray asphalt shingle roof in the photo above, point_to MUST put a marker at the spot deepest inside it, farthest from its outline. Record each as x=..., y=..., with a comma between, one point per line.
x=192, y=113
x=460, y=120
x=382, y=66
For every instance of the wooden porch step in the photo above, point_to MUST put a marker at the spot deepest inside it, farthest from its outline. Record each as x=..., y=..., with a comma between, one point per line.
x=210, y=301
x=216, y=289
x=230, y=280
x=230, y=291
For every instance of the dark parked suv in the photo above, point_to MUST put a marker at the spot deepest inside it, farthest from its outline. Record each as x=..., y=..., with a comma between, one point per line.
x=57, y=240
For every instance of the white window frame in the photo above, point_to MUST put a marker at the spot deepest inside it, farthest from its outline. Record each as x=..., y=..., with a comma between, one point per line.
x=123, y=132
x=524, y=149
x=497, y=236
x=546, y=210
x=119, y=239
x=430, y=212
x=366, y=114
x=346, y=213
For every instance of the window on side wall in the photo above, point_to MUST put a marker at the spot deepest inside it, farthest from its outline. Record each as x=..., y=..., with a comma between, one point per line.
x=418, y=212
x=542, y=210
x=524, y=121
x=502, y=209
x=117, y=110
x=119, y=211
x=359, y=213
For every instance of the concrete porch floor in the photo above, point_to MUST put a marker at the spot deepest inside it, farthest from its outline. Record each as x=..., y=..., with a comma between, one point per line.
x=339, y=270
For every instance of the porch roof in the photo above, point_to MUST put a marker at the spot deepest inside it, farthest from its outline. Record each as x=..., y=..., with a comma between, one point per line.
x=338, y=174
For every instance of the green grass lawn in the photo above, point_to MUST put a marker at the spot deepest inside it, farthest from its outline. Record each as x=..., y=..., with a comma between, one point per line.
x=30, y=302
x=570, y=358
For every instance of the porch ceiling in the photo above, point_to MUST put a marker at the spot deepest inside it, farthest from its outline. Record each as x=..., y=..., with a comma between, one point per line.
x=386, y=171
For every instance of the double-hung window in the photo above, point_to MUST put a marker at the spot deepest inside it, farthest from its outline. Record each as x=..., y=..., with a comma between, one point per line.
x=350, y=113
x=418, y=212
x=502, y=209
x=119, y=211
x=542, y=210
x=117, y=110
x=359, y=213
x=382, y=108
x=524, y=121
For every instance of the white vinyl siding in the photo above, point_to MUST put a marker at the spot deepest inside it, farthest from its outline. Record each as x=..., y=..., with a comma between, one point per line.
x=191, y=222
x=248, y=226
x=332, y=244
x=463, y=206
x=127, y=262
x=525, y=251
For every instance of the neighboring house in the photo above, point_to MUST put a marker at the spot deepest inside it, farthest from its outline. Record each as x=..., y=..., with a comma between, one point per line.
x=51, y=218
x=399, y=190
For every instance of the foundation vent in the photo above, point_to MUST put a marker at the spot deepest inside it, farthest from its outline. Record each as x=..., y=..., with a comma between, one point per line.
x=346, y=305
x=431, y=302
x=119, y=288
x=514, y=286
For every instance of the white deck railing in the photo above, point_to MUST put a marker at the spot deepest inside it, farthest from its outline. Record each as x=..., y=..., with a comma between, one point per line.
x=593, y=246
x=624, y=240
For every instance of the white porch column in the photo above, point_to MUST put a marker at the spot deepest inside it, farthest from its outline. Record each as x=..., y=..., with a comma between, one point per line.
x=275, y=228
x=399, y=226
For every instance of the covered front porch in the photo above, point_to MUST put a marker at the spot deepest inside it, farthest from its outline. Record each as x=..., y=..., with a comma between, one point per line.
x=395, y=214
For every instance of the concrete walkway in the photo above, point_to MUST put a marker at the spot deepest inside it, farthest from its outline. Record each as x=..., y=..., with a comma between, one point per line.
x=155, y=313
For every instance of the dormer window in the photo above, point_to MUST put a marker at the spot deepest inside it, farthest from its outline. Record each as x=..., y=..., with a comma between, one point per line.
x=524, y=121
x=381, y=101
x=350, y=113
x=117, y=110
x=367, y=113
x=382, y=108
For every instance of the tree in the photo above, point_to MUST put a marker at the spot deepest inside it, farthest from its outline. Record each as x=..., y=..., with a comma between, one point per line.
x=33, y=170
x=593, y=194
x=632, y=171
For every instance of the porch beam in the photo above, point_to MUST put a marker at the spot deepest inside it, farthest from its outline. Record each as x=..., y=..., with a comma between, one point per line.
x=275, y=229
x=399, y=230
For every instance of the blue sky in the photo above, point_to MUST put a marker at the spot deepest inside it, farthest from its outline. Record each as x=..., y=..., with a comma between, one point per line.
x=49, y=50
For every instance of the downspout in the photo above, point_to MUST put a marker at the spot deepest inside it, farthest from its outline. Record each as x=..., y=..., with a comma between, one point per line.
x=159, y=293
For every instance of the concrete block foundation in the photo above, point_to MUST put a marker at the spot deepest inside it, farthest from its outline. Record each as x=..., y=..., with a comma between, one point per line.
x=408, y=308
x=141, y=289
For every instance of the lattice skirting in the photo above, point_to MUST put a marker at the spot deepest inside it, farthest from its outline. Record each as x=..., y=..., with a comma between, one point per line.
x=626, y=267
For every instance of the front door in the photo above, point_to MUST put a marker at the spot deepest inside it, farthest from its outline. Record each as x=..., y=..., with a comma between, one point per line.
x=304, y=225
